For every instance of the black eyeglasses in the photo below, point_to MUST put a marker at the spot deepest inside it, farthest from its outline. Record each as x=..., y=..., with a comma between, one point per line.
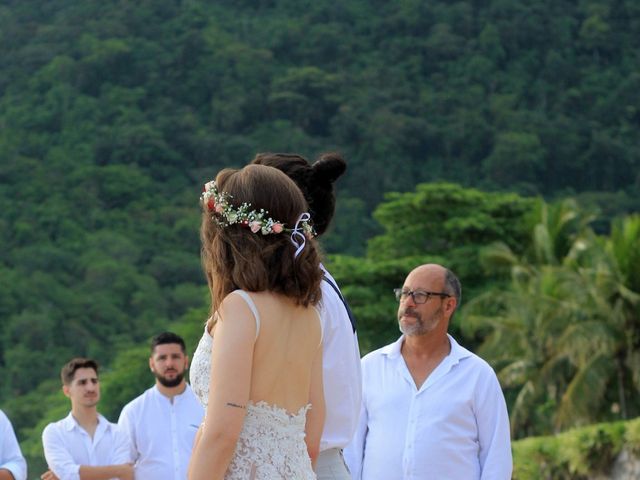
x=419, y=296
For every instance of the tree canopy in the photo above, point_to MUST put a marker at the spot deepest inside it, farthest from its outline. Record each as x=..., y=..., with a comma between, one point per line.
x=113, y=114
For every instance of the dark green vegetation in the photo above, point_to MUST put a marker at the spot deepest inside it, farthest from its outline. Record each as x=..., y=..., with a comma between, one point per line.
x=579, y=454
x=554, y=307
x=113, y=114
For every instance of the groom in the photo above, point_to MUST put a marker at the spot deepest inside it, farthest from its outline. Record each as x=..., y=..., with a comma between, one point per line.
x=341, y=354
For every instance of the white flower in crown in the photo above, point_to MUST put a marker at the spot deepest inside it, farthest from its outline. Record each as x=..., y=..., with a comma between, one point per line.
x=266, y=227
x=308, y=230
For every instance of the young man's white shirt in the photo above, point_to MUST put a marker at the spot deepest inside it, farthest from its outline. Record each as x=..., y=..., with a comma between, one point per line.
x=455, y=426
x=67, y=446
x=161, y=433
x=11, y=458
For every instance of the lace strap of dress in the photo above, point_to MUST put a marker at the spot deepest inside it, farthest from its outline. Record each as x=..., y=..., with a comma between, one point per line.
x=252, y=307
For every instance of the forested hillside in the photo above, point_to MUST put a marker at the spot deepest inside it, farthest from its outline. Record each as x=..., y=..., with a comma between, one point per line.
x=114, y=113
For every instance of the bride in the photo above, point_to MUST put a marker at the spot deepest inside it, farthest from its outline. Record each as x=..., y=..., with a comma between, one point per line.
x=258, y=366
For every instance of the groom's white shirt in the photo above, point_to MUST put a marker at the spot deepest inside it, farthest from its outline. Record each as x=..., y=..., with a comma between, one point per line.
x=341, y=371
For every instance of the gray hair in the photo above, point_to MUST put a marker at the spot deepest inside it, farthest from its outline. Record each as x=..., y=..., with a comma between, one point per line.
x=452, y=286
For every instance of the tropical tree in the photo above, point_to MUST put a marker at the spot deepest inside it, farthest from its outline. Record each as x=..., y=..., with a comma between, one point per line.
x=447, y=220
x=561, y=336
x=623, y=246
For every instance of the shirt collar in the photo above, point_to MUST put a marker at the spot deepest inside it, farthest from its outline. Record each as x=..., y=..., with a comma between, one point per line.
x=176, y=397
x=456, y=354
x=69, y=422
x=393, y=349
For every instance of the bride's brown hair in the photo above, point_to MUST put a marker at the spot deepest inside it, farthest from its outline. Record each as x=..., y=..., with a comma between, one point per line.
x=233, y=257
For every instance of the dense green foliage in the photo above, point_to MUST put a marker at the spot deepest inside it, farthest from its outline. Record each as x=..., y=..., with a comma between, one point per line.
x=565, y=335
x=588, y=452
x=113, y=113
x=440, y=223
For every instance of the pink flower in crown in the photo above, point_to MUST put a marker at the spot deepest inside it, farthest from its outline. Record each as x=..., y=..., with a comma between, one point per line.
x=219, y=208
x=276, y=227
x=255, y=226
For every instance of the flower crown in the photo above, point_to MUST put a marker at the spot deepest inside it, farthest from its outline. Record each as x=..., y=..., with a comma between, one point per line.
x=225, y=214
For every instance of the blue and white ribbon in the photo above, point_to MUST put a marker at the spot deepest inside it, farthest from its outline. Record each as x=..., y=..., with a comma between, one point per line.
x=298, y=237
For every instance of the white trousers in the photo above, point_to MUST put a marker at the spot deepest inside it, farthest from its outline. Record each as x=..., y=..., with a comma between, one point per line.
x=331, y=466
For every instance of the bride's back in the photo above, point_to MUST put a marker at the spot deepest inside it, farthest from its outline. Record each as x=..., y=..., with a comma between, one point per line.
x=287, y=343
x=257, y=237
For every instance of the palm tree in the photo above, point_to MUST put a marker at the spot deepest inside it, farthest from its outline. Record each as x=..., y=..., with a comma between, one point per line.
x=623, y=247
x=558, y=335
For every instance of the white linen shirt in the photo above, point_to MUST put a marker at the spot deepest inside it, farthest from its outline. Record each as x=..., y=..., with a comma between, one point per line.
x=10, y=455
x=454, y=427
x=67, y=446
x=341, y=370
x=161, y=433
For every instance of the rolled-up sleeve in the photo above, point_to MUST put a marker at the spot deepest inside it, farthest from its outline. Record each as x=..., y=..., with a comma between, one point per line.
x=58, y=457
x=11, y=458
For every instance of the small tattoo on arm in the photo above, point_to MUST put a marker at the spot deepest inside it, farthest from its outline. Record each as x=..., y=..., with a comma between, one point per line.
x=230, y=404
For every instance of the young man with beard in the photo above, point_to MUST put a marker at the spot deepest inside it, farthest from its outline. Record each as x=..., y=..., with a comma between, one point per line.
x=431, y=408
x=84, y=445
x=162, y=422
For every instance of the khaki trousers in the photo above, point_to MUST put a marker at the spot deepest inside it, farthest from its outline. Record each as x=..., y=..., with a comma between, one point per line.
x=331, y=466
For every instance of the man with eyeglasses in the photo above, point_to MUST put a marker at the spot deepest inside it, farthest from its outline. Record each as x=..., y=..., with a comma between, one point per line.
x=431, y=409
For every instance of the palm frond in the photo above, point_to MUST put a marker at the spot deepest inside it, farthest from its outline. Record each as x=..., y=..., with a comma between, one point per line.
x=581, y=341
x=516, y=373
x=522, y=407
x=497, y=257
x=585, y=394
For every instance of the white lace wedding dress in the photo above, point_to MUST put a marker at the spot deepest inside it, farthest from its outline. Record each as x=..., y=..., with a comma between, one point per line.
x=271, y=444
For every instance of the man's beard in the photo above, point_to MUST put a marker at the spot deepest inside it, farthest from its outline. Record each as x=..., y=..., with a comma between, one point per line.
x=421, y=325
x=170, y=382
